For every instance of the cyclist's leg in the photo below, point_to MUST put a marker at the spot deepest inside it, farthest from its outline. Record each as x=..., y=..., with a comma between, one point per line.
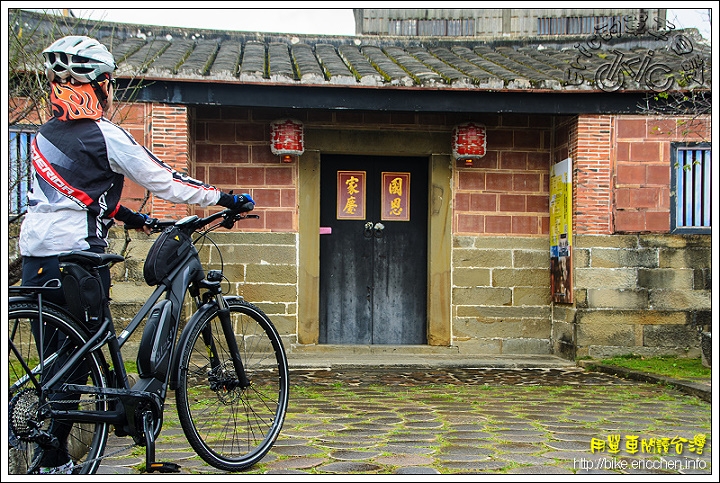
x=230, y=427
x=36, y=271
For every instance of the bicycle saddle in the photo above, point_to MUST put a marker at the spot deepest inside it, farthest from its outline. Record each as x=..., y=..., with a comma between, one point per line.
x=90, y=259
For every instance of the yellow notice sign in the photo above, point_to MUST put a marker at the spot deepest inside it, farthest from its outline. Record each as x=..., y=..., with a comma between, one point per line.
x=561, y=231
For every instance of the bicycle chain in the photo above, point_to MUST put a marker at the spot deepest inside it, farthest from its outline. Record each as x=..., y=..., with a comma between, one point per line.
x=106, y=455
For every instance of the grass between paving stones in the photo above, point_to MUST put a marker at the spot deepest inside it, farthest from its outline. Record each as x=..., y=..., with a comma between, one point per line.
x=456, y=393
x=668, y=366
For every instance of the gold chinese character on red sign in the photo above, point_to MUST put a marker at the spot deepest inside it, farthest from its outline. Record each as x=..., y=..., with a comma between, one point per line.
x=395, y=196
x=351, y=195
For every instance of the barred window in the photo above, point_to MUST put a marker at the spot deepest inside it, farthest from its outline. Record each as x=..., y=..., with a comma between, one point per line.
x=19, y=169
x=690, y=198
x=432, y=27
x=580, y=25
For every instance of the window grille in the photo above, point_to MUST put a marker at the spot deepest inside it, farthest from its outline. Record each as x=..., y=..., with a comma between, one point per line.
x=580, y=25
x=432, y=27
x=19, y=170
x=690, y=198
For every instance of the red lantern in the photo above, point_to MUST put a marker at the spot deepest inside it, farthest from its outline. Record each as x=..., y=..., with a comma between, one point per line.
x=469, y=141
x=287, y=139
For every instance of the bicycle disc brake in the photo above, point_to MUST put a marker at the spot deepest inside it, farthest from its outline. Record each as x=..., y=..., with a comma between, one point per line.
x=223, y=382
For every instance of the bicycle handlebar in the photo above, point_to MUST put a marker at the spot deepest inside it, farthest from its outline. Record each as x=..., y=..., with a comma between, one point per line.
x=193, y=223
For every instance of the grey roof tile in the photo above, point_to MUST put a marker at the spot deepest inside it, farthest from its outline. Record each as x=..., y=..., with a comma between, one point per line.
x=678, y=61
x=171, y=58
x=421, y=73
x=360, y=65
x=200, y=59
x=395, y=74
x=478, y=75
x=141, y=60
x=279, y=62
x=227, y=59
x=337, y=71
x=507, y=76
x=449, y=74
x=253, y=64
x=306, y=63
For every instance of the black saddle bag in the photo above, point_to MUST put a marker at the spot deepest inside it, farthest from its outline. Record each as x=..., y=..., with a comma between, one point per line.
x=84, y=294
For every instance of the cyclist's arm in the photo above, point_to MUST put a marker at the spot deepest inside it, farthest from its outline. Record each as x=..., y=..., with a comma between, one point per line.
x=132, y=160
x=134, y=220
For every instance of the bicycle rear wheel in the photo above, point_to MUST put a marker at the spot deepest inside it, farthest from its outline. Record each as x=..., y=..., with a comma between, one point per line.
x=232, y=428
x=28, y=429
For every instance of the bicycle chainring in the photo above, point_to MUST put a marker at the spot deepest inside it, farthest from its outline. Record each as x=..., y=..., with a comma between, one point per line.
x=154, y=406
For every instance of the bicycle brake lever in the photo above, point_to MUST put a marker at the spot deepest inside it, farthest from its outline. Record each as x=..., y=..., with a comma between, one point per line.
x=228, y=220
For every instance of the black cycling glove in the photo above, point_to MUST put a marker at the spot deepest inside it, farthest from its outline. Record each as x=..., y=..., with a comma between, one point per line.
x=134, y=220
x=240, y=203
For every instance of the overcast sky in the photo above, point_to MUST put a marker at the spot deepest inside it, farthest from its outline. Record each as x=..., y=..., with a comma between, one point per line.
x=338, y=20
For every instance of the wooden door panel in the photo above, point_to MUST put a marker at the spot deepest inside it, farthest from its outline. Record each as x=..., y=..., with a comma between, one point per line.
x=344, y=288
x=373, y=282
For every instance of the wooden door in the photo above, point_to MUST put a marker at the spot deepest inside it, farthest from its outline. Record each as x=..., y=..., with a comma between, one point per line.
x=373, y=250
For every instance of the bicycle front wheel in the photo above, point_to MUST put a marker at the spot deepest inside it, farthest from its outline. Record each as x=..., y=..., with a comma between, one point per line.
x=34, y=439
x=230, y=427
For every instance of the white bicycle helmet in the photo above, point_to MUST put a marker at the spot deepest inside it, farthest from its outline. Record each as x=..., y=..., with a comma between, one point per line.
x=82, y=58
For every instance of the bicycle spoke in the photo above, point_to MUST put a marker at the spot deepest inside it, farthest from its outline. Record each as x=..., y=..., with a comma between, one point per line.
x=232, y=427
x=31, y=432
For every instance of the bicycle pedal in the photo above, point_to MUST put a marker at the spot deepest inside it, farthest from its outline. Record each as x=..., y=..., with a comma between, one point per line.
x=163, y=467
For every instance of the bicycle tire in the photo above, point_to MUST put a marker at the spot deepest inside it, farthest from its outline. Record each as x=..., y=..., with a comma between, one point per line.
x=86, y=441
x=233, y=429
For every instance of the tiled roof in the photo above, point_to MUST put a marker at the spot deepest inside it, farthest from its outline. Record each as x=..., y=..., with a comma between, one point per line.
x=547, y=64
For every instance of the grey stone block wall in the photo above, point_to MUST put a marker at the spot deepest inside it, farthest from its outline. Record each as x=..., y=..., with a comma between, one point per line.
x=641, y=294
x=501, y=295
x=261, y=267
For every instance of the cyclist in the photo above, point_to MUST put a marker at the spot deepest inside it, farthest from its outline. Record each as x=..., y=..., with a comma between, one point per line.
x=80, y=160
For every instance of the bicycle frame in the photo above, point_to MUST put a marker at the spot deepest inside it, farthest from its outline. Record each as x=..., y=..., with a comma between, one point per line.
x=187, y=277
x=210, y=351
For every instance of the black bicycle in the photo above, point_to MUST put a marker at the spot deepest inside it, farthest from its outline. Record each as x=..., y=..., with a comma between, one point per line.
x=225, y=362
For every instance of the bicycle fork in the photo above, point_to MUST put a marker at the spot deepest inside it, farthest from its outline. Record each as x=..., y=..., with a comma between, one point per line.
x=241, y=380
x=217, y=377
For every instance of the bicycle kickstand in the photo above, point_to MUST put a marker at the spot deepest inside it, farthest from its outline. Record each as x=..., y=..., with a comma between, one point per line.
x=150, y=464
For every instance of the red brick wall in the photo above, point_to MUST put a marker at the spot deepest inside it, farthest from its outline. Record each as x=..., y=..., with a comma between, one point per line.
x=135, y=118
x=164, y=130
x=621, y=167
x=643, y=167
x=170, y=141
x=506, y=192
x=232, y=152
x=591, y=153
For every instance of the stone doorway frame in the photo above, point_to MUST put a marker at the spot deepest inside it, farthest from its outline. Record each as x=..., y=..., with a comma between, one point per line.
x=434, y=145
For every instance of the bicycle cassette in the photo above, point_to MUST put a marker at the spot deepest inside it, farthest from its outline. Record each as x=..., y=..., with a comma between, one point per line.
x=22, y=416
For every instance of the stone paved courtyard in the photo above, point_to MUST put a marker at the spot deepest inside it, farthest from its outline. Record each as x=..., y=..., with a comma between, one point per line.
x=463, y=421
